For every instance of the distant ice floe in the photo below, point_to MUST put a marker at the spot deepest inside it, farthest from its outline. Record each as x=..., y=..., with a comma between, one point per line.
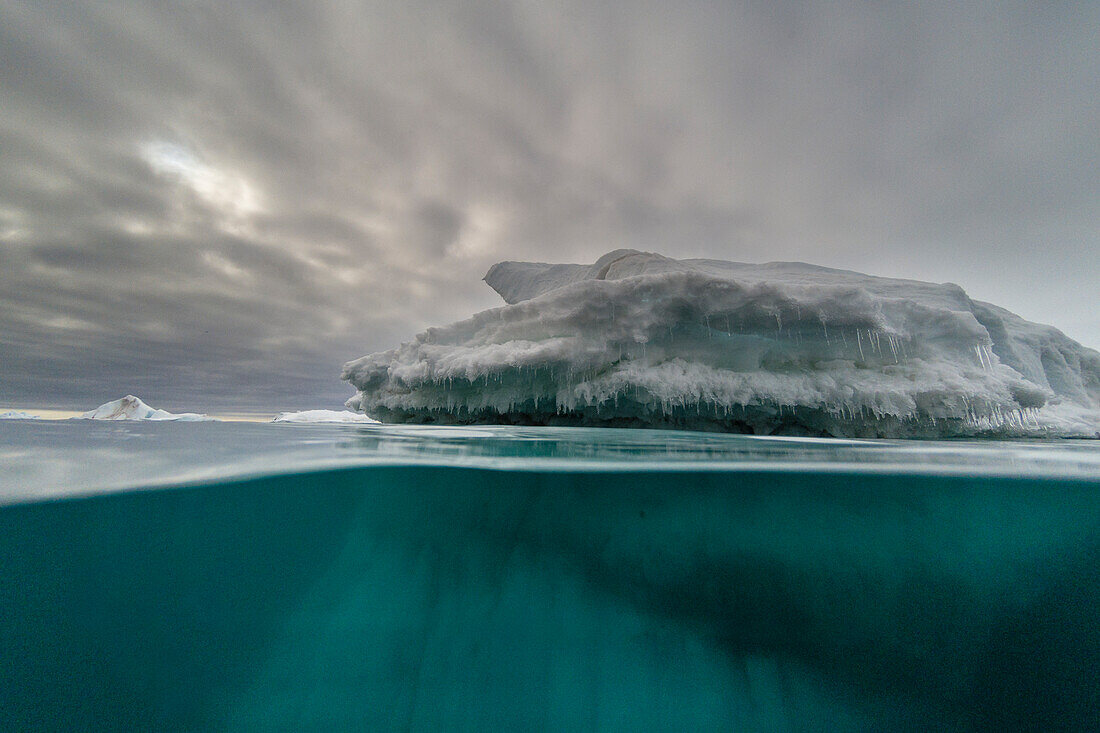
x=17, y=415
x=638, y=339
x=132, y=408
x=324, y=416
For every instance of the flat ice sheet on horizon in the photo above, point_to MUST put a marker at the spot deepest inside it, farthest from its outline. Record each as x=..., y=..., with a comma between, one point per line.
x=324, y=416
x=17, y=415
x=639, y=339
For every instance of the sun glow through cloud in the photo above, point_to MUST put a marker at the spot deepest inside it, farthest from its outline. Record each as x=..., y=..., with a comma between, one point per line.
x=229, y=193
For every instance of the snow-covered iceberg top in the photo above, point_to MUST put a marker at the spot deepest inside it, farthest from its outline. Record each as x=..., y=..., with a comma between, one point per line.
x=638, y=339
x=17, y=415
x=132, y=408
x=324, y=416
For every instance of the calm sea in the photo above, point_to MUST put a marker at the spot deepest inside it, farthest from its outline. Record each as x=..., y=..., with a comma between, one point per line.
x=235, y=576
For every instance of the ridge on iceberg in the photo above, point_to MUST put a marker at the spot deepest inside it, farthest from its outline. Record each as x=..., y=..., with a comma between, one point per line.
x=132, y=408
x=638, y=339
x=17, y=415
x=313, y=416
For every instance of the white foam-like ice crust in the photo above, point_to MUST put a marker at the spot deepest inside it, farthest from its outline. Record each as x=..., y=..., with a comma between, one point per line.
x=641, y=339
x=132, y=408
x=314, y=416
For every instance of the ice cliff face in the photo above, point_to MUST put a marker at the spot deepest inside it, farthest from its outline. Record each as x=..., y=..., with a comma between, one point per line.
x=638, y=339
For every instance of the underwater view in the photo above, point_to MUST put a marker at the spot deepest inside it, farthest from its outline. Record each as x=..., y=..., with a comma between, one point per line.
x=240, y=576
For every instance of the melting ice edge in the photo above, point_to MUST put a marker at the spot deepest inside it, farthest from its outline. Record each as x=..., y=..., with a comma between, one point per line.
x=638, y=339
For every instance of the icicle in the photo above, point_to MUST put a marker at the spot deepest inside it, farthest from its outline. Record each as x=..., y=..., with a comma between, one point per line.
x=981, y=356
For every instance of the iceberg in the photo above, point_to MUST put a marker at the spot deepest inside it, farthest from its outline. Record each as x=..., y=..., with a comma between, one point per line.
x=783, y=348
x=312, y=416
x=17, y=415
x=132, y=408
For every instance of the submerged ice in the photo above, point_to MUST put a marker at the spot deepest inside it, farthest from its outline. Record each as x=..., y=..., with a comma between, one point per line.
x=638, y=339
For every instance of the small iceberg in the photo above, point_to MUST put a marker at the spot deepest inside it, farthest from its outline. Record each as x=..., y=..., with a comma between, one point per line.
x=17, y=415
x=132, y=408
x=783, y=348
x=324, y=416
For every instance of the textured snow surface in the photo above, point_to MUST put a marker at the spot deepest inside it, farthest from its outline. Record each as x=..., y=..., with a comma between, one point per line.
x=323, y=416
x=638, y=339
x=132, y=408
x=17, y=415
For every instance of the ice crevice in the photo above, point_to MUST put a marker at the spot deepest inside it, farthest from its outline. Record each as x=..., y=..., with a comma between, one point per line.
x=638, y=339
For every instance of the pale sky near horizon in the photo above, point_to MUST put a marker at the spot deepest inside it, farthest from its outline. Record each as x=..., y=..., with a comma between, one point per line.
x=213, y=205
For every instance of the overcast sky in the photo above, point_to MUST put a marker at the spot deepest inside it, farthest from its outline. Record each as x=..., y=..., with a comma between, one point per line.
x=213, y=205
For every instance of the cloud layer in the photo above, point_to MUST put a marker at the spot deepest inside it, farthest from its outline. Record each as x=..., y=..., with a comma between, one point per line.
x=214, y=205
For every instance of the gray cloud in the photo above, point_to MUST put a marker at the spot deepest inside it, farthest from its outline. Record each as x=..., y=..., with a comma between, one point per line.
x=214, y=205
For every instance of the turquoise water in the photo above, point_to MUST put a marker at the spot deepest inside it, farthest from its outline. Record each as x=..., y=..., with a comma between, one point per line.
x=279, y=577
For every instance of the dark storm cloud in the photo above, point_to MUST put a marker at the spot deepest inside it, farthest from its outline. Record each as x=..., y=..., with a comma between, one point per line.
x=217, y=204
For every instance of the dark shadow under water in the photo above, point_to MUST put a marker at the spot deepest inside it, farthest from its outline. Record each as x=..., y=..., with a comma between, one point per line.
x=443, y=598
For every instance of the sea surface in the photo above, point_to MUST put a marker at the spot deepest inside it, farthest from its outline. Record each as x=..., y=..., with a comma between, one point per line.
x=237, y=576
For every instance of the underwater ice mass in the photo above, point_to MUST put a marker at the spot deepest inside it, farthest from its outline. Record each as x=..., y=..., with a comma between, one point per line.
x=638, y=339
